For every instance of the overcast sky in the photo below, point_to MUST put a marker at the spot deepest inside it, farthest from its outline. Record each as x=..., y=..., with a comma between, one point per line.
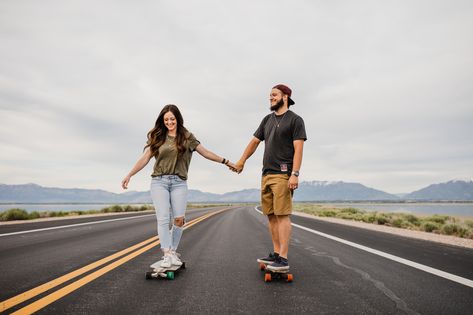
x=385, y=88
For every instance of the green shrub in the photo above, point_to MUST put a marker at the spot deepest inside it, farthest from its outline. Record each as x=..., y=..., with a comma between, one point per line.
x=382, y=219
x=400, y=223
x=350, y=210
x=346, y=216
x=327, y=213
x=369, y=217
x=469, y=223
x=441, y=219
x=430, y=226
x=454, y=229
x=117, y=208
x=412, y=219
x=14, y=214
x=34, y=215
x=57, y=214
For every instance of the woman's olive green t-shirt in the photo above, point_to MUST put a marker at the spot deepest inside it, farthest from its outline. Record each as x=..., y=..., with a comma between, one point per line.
x=167, y=160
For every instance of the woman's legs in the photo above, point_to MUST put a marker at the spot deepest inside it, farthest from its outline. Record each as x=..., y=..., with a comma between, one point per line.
x=161, y=200
x=179, y=205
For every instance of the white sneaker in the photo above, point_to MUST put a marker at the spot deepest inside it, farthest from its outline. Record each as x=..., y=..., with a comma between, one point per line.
x=175, y=259
x=166, y=262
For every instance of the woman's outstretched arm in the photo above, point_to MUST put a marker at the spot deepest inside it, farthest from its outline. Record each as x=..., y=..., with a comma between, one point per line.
x=209, y=155
x=139, y=165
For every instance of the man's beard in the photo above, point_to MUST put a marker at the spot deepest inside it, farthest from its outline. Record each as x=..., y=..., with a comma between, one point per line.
x=277, y=106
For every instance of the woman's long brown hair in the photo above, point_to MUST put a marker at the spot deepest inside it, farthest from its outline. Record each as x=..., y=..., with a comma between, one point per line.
x=157, y=135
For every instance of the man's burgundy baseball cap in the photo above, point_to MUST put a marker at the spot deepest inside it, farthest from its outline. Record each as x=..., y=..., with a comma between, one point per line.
x=286, y=90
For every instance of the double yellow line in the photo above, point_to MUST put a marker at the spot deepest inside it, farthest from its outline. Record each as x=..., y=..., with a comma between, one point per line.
x=130, y=253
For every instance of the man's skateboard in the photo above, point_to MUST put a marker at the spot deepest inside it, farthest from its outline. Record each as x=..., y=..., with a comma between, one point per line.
x=269, y=275
x=157, y=271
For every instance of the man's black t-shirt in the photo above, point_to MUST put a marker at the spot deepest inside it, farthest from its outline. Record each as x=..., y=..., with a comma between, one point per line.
x=278, y=133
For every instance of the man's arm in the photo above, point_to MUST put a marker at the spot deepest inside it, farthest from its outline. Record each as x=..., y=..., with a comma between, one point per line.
x=250, y=149
x=296, y=163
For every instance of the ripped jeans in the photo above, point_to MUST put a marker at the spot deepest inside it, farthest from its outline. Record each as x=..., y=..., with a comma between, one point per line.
x=169, y=194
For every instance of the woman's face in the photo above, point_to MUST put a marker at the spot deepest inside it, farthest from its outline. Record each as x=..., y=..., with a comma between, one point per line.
x=170, y=121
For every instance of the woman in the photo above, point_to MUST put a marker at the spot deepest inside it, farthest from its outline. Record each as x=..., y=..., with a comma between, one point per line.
x=172, y=145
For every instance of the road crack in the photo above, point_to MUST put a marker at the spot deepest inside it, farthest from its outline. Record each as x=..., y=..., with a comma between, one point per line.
x=400, y=304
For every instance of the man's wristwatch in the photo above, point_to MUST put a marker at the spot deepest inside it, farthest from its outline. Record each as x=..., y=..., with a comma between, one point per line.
x=295, y=173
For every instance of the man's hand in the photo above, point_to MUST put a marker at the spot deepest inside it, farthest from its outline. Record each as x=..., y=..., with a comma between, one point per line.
x=231, y=166
x=293, y=182
x=239, y=166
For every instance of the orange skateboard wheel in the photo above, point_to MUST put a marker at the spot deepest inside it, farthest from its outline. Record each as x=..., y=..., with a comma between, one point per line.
x=289, y=277
x=267, y=277
x=262, y=266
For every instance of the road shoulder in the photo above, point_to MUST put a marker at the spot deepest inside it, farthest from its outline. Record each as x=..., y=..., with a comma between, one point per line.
x=444, y=239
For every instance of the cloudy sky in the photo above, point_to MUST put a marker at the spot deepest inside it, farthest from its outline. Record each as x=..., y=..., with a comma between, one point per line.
x=385, y=87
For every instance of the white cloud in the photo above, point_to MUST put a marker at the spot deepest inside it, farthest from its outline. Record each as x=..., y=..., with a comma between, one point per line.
x=384, y=87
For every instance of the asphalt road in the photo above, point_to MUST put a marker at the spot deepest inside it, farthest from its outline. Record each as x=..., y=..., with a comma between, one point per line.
x=222, y=275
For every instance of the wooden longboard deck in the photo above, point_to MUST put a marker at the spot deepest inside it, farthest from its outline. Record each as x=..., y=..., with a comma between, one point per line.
x=270, y=275
x=163, y=272
x=261, y=264
x=157, y=265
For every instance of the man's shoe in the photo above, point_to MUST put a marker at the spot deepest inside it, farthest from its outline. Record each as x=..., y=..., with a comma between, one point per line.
x=272, y=257
x=175, y=260
x=281, y=264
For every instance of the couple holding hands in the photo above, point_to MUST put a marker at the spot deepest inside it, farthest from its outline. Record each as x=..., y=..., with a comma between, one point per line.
x=172, y=145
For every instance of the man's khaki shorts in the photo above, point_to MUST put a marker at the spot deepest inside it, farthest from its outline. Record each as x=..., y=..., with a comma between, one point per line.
x=276, y=197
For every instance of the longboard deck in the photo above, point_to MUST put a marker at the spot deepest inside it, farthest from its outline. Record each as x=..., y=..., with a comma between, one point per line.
x=270, y=275
x=157, y=265
x=157, y=271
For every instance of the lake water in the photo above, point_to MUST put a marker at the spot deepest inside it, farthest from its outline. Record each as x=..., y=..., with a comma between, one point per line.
x=457, y=209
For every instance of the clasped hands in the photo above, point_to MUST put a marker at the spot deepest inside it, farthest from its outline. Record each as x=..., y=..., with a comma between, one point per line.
x=292, y=184
x=237, y=167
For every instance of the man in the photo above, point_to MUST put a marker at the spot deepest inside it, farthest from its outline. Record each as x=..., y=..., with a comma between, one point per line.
x=283, y=133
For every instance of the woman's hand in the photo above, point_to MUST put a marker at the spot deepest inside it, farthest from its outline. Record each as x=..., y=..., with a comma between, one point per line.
x=125, y=182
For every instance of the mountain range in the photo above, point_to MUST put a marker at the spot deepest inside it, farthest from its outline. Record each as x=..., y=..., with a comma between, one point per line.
x=455, y=190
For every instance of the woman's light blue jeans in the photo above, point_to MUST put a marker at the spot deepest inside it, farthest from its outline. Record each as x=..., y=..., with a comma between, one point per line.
x=169, y=194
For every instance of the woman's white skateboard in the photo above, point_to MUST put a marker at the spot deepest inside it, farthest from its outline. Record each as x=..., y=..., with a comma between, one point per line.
x=157, y=271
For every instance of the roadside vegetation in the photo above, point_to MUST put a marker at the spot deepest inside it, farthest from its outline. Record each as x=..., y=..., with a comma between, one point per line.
x=439, y=224
x=22, y=214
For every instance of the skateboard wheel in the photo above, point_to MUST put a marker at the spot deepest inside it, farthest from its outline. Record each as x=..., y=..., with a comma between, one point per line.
x=289, y=277
x=262, y=266
x=148, y=275
x=267, y=277
x=170, y=275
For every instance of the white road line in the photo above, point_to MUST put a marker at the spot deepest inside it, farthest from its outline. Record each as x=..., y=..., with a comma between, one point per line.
x=74, y=225
x=437, y=272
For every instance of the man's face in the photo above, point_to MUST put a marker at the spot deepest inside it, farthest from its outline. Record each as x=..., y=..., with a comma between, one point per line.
x=276, y=99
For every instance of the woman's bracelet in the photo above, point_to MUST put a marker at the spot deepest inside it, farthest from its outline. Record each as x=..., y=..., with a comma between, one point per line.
x=224, y=161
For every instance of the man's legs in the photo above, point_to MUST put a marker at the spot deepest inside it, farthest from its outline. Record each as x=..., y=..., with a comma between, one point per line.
x=276, y=201
x=280, y=229
x=283, y=228
x=281, y=222
x=273, y=227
